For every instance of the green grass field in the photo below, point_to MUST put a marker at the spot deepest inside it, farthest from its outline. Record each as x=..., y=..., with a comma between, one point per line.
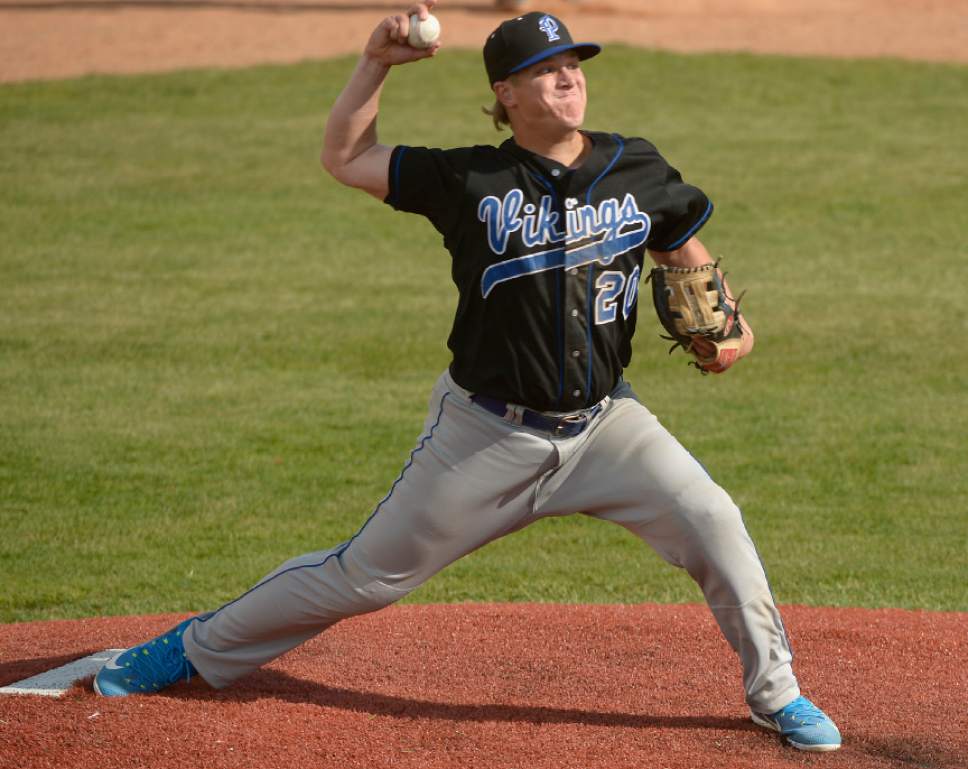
x=213, y=357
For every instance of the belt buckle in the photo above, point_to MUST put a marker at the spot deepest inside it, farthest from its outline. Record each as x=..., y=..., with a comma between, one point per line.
x=573, y=420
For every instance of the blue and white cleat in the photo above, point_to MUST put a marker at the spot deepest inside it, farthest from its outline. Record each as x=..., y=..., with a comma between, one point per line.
x=147, y=668
x=803, y=725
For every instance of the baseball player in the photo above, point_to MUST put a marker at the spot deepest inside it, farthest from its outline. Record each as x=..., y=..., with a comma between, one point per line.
x=548, y=234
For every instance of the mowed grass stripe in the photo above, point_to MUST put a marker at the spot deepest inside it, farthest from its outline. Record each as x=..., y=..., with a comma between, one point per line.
x=213, y=357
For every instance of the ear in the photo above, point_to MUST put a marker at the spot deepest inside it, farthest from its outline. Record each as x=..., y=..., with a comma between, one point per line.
x=504, y=93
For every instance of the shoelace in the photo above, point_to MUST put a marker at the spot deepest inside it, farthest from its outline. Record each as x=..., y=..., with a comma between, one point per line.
x=164, y=664
x=803, y=711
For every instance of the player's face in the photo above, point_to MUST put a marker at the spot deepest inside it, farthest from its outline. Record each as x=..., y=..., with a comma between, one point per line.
x=551, y=92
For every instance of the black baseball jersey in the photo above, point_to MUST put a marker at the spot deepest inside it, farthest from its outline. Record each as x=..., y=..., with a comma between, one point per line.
x=547, y=259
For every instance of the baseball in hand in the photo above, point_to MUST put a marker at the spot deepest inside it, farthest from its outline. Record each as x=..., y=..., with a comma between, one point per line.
x=423, y=33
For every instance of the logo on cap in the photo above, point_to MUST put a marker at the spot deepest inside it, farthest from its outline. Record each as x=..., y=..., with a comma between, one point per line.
x=549, y=26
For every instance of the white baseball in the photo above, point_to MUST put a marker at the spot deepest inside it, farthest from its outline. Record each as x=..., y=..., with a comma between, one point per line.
x=424, y=33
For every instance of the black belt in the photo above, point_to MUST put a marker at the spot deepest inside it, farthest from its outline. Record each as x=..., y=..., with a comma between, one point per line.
x=567, y=425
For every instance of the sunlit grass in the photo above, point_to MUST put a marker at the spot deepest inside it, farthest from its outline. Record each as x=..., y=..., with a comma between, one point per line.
x=212, y=357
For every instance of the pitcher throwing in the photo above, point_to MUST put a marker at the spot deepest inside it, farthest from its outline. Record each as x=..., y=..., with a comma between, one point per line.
x=548, y=234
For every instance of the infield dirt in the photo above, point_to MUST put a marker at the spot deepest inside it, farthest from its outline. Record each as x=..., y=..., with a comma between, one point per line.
x=506, y=687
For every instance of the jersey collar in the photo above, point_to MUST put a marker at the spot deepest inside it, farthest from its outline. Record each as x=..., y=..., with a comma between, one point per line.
x=570, y=180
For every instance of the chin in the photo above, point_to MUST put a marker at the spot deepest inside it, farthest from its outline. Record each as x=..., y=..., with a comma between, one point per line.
x=572, y=120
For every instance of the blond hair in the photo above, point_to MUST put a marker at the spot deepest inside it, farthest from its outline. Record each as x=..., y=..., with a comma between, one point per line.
x=498, y=114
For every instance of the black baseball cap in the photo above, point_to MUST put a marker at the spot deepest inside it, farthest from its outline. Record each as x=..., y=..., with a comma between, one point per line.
x=526, y=40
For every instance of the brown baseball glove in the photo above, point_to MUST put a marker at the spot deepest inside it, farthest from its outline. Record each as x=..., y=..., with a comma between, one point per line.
x=694, y=308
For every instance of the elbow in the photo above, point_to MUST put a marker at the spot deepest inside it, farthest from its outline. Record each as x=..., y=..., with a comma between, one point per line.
x=329, y=163
x=337, y=167
x=747, y=339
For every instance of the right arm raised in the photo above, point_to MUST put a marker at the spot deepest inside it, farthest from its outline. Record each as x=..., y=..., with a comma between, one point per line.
x=351, y=152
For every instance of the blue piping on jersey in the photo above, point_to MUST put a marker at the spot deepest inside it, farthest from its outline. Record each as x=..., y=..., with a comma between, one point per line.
x=692, y=230
x=395, y=192
x=343, y=548
x=589, y=325
x=559, y=337
x=611, y=164
x=544, y=183
x=559, y=330
x=590, y=319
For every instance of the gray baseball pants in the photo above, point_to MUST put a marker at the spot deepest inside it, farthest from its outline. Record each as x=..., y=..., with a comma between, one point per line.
x=474, y=477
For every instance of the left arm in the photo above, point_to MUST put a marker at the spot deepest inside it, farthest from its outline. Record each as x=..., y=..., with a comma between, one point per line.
x=694, y=254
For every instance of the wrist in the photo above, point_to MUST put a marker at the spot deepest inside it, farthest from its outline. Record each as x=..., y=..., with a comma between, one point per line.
x=373, y=66
x=372, y=63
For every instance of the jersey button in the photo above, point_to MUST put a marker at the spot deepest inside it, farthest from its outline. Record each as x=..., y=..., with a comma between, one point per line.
x=574, y=313
x=575, y=353
x=555, y=172
x=576, y=393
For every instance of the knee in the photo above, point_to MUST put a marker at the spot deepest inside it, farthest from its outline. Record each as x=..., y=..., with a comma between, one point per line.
x=715, y=547
x=701, y=523
x=377, y=587
x=707, y=510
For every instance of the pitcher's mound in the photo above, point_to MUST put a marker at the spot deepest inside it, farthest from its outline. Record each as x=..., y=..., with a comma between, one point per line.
x=502, y=686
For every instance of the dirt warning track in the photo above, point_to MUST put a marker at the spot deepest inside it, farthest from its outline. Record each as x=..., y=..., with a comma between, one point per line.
x=66, y=38
x=506, y=686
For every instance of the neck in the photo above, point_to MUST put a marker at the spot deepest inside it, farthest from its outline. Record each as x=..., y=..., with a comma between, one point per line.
x=568, y=148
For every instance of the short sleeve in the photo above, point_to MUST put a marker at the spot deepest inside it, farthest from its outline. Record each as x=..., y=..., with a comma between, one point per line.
x=429, y=182
x=679, y=210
